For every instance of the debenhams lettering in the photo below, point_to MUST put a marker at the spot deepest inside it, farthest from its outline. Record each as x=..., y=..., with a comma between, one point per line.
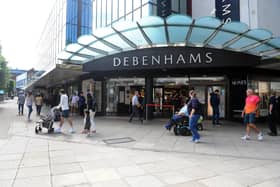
x=169, y=59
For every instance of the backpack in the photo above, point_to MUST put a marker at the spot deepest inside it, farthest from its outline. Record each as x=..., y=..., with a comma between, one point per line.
x=200, y=110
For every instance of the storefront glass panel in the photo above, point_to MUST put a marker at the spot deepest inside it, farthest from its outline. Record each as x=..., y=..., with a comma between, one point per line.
x=264, y=89
x=120, y=92
x=174, y=91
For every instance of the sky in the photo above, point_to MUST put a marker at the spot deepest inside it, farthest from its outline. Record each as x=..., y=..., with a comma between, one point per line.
x=21, y=24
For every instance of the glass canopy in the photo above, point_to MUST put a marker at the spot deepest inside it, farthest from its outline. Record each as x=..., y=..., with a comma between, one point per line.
x=174, y=30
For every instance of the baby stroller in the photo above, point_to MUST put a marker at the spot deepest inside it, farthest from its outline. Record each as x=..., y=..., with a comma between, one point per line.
x=46, y=122
x=181, y=127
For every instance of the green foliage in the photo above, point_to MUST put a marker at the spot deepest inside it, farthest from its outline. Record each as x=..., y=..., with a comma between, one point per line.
x=4, y=73
x=11, y=86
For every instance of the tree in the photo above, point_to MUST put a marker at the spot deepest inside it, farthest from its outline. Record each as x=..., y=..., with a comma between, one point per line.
x=11, y=87
x=4, y=73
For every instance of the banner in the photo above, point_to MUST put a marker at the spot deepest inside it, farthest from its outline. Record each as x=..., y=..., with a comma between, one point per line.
x=163, y=8
x=227, y=10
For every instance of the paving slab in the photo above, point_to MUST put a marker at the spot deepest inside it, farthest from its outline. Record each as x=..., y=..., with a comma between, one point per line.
x=156, y=158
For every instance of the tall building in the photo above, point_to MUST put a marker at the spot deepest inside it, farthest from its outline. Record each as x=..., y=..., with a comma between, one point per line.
x=252, y=12
x=68, y=20
x=108, y=12
x=164, y=48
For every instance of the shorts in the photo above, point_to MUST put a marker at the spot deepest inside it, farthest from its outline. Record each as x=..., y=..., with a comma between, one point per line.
x=249, y=118
x=75, y=105
x=65, y=113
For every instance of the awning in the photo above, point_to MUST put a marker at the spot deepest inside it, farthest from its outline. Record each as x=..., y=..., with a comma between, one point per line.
x=175, y=30
x=58, y=75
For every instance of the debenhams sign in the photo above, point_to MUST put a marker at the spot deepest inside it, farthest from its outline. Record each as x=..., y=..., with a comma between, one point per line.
x=170, y=58
x=162, y=60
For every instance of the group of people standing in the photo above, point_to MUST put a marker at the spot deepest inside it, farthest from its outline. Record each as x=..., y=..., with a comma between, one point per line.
x=79, y=102
x=192, y=109
x=87, y=108
x=251, y=110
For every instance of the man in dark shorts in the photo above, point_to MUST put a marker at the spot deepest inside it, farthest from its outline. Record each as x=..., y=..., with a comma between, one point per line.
x=249, y=114
x=63, y=104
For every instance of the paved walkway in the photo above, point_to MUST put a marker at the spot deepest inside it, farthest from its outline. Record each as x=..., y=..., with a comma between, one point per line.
x=155, y=158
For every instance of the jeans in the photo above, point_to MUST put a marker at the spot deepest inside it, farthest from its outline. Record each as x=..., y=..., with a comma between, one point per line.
x=193, y=126
x=135, y=111
x=38, y=108
x=216, y=114
x=272, y=121
x=175, y=118
x=20, y=109
x=29, y=111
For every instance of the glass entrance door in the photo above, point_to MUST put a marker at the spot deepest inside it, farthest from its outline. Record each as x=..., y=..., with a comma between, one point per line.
x=120, y=92
x=222, y=100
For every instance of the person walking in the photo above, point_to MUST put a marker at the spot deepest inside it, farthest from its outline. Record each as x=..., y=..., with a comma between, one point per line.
x=249, y=114
x=74, y=103
x=82, y=103
x=29, y=104
x=215, y=102
x=135, y=107
x=272, y=115
x=194, y=115
x=64, y=105
x=20, y=102
x=89, y=123
x=141, y=105
x=89, y=99
x=39, y=103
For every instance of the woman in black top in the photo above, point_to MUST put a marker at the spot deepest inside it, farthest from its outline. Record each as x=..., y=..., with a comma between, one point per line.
x=193, y=109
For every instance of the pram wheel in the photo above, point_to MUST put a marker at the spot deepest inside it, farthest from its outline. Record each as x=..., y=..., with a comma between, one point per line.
x=38, y=129
x=175, y=129
x=200, y=126
x=182, y=130
x=51, y=130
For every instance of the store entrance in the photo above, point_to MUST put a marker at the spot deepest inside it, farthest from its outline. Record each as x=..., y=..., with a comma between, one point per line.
x=119, y=94
x=170, y=92
x=222, y=97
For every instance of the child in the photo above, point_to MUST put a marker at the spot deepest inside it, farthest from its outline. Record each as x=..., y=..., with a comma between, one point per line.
x=88, y=122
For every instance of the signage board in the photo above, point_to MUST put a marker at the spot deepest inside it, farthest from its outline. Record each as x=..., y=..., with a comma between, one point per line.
x=171, y=58
x=163, y=8
x=227, y=10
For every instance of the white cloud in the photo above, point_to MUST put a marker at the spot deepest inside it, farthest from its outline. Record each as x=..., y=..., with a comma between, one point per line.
x=21, y=24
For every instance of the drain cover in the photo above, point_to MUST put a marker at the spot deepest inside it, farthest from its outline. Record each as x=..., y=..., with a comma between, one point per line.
x=118, y=140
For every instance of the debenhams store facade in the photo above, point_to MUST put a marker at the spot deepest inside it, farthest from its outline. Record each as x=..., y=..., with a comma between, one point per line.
x=165, y=57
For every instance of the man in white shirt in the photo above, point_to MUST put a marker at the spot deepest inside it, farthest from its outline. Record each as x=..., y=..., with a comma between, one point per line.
x=64, y=105
x=178, y=116
x=135, y=107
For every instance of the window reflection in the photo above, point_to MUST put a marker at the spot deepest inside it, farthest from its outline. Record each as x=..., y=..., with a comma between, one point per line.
x=107, y=12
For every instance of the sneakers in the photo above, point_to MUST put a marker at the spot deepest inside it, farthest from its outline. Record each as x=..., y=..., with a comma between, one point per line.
x=58, y=130
x=71, y=131
x=246, y=137
x=195, y=141
x=260, y=136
